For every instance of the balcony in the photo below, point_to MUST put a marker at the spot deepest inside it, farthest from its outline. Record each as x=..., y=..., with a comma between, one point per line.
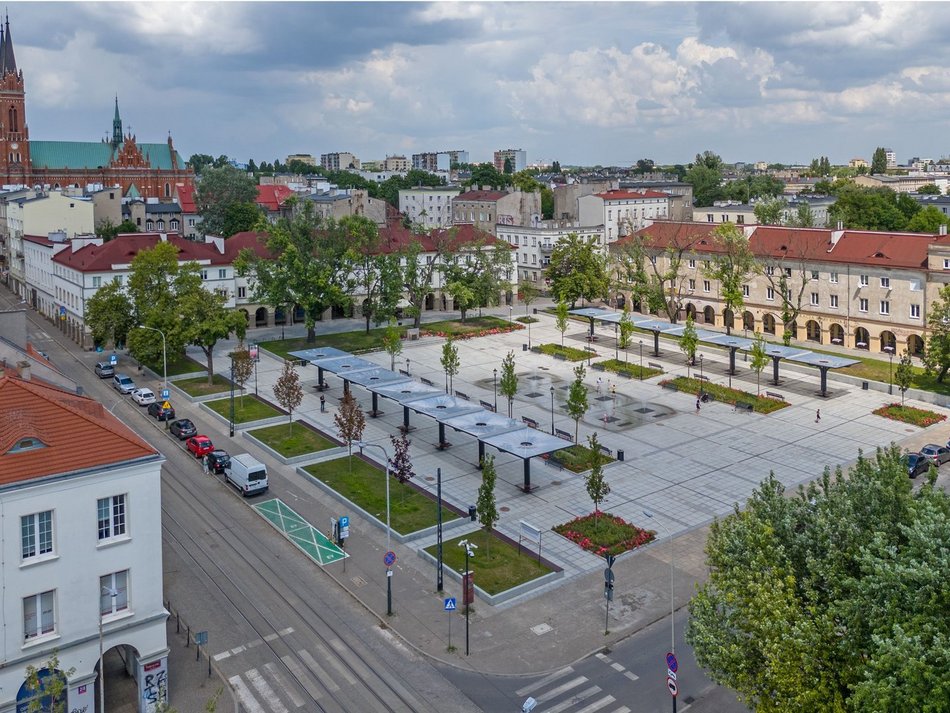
x=546, y=247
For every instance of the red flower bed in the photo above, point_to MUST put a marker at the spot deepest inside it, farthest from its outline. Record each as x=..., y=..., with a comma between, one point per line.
x=909, y=414
x=604, y=534
x=473, y=334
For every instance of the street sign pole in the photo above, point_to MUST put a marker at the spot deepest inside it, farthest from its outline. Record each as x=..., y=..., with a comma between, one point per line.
x=438, y=571
x=671, y=668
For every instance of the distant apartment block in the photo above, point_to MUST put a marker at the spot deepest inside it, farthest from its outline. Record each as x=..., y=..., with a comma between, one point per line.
x=436, y=161
x=303, y=158
x=339, y=161
x=681, y=195
x=622, y=212
x=398, y=164
x=566, y=196
x=857, y=162
x=487, y=209
x=891, y=157
x=726, y=212
x=518, y=158
x=533, y=245
x=428, y=206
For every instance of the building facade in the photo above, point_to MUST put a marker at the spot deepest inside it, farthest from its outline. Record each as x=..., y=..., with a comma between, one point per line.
x=486, y=209
x=428, y=206
x=339, y=161
x=517, y=157
x=533, y=245
x=621, y=211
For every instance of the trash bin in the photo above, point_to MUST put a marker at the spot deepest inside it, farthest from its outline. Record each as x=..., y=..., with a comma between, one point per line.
x=524, y=347
x=620, y=454
x=471, y=512
x=535, y=310
x=864, y=385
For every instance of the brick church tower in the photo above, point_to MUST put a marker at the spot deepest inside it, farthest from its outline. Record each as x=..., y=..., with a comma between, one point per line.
x=14, y=134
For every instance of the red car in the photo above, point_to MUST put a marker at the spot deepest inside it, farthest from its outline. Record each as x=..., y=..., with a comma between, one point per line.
x=199, y=446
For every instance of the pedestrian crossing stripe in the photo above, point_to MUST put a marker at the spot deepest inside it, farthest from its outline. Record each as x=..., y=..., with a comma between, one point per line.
x=301, y=533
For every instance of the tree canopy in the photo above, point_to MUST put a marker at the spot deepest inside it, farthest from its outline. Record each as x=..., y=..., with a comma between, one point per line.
x=224, y=198
x=861, y=208
x=578, y=270
x=879, y=161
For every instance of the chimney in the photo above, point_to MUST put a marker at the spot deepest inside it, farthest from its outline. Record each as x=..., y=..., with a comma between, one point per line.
x=840, y=225
x=23, y=369
x=943, y=229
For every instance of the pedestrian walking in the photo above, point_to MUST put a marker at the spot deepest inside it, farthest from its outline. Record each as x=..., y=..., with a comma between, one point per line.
x=600, y=385
x=323, y=403
x=613, y=391
x=817, y=415
x=697, y=404
x=205, y=465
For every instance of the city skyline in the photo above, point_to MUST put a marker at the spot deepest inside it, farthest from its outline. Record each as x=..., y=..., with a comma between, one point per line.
x=580, y=83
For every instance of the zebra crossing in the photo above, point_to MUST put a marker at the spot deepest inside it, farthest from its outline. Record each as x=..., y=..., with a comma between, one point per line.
x=567, y=691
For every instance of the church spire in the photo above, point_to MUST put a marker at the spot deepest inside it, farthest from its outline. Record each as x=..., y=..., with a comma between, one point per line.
x=116, y=126
x=9, y=60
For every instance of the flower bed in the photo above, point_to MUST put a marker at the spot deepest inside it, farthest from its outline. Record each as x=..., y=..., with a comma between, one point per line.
x=604, y=534
x=909, y=414
x=526, y=320
x=633, y=371
x=576, y=458
x=474, y=327
x=569, y=353
x=760, y=404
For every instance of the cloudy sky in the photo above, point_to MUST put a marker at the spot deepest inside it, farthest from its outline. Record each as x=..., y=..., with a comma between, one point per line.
x=583, y=83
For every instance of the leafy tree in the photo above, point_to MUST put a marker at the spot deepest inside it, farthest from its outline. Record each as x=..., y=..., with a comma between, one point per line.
x=798, y=585
x=577, y=270
x=485, y=504
x=861, y=208
x=597, y=486
x=547, y=203
x=154, y=281
x=392, y=343
x=705, y=176
x=462, y=294
x=218, y=190
x=107, y=230
x=350, y=422
x=577, y=404
x=199, y=161
x=904, y=374
x=930, y=189
x=731, y=265
x=760, y=359
x=47, y=694
x=400, y=465
x=529, y=293
x=782, y=273
x=508, y=386
x=486, y=175
x=450, y=364
x=769, y=212
x=804, y=218
x=879, y=161
x=937, y=353
x=378, y=274
x=239, y=217
x=644, y=165
x=561, y=318
x=689, y=341
x=109, y=314
x=928, y=220
x=289, y=393
x=555, y=167
x=762, y=188
x=477, y=276
x=509, y=166
x=625, y=327
x=417, y=274
x=242, y=367
x=203, y=318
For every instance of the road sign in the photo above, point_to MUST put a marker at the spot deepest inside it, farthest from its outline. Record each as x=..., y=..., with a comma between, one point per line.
x=165, y=394
x=609, y=576
x=201, y=638
x=113, y=359
x=252, y=352
x=671, y=663
x=671, y=674
x=62, y=312
x=389, y=559
x=671, y=684
x=166, y=406
x=344, y=527
x=449, y=604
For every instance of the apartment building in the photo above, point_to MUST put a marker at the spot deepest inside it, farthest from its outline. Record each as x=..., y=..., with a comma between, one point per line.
x=428, y=206
x=681, y=195
x=339, y=161
x=622, y=212
x=517, y=157
x=302, y=158
x=726, y=212
x=566, y=195
x=487, y=209
x=397, y=164
x=533, y=245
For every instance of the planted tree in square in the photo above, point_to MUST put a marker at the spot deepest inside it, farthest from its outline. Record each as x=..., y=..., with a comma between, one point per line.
x=688, y=342
x=392, y=343
x=626, y=331
x=760, y=359
x=577, y=403
x=904, y=374
x=597, y=486
x=242, y=366
x=350, y=422
x=47, y=693
x=450, y=363
x=400, y=465
x=508, y=386
x=731, y=265
x=529, y=293
x=937, y=353
x=288, y=391
x=487, y=508
x=109, y=315
x=560, y=318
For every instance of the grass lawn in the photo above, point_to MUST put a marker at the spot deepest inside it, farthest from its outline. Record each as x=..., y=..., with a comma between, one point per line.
x=909, y=414
x=296, y=440
x=526, y=320
x=497, y=565
x=604, y=534
x=471, y=327
x=353, y=342
x=633, y=370
x=760, y=404
x=577, y=458
x=569, y=353
x=250, y=408
x=177, y=364
x=199, y=386
x=365, y=486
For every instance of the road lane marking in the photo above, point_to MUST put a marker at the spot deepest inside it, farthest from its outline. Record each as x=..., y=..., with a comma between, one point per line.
x=573, y=683
x=579, y=698
x=245, y=696
x=267, y=693
x=631, y=675
x=325, y=678
x=543, y=682
x=282, y=685
x=332, y=660
x=301, y=675
x=597, y=705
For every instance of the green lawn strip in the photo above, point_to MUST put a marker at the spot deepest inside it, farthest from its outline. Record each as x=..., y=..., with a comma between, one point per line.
x=634, y=371
x=472, y=326
x=296, y=440
x=177, y=364
x=569, y=353
x=353, y=342
x=199, y=385
x=604, y=534
x=576, y=458
x=760, y=404
x=248, y=408
x=526, y=320
x=497, y=564
x=909, y=414
x=365, y=486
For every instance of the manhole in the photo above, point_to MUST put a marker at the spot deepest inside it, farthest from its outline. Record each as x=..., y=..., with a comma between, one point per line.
x=358, y=581
x=643, y=409
x=541, y=629
x=533, y=395
x=504, y=508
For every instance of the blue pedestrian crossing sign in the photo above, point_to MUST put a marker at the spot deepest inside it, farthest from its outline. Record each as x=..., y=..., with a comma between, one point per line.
x=449, y=604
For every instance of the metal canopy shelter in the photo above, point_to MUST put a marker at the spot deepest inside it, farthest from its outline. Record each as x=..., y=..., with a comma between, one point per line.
x=733, y=344
x=371, y=378
x=479, y=425
x=343, y=366
x=404, y=392
x=824, y=362
x=442, y=407
x=591, y=313
x=526, y=443
x=315, y=354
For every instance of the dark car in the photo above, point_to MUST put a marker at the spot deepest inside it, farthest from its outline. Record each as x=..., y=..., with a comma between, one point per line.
x=218, y=460
x=183, y=428
x=938, y=455
x=199, y=446
x=915, y=464
x=156, y=411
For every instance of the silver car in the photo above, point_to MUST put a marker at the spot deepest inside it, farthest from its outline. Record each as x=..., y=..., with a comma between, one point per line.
x=938, y=455
x=123, y=384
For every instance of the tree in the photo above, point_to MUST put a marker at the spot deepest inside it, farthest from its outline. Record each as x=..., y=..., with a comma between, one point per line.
x=689, y=341
x=509, y=166
x=760, y=360
x=577, y=404
x=625, y=327
x=597, y=486
x=486, y=174
x=392, y=343
x=783, y=271
x=928, y=220
x=508, y=385
x=378, y=274
x=561, y=318
x=450, y=364
x=930, y=189
x=477, y=276
x=904, y=374
x=529, y=293
x=731, y=265
x=417, y=274
x=937, y=352
x=198, y=161
x=577, y=270
x=217, y=192
x=242, y=366
x=153, y=285
x=879, y=161
x=485, y=504
x=705, y=176
x=109, y=314
x=350, y=422
x=861, y=208
x=238, y=218
x=798, y=585
x=47, y=688
x=400, y=465
x=107, y=230
x=203, y=318
x=644, y=165
x=804, y=218
x=288, y=392
x=769, y=212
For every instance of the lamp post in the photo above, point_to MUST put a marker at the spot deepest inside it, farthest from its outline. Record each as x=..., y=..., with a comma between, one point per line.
x=552, y=410
x=108, y=591
x=494, y=384
x=164, y=365
x=650, y=515
x=231, y=421
x=701, y=373
x=509, y=314
x=408, y=372
x=469, y=547
x=641, y=360
x=616, y=344
x=890, y=368
x=389, y=571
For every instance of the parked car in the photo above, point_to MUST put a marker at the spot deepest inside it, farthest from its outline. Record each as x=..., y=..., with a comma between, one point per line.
x=936, y=454
x=123, y=384
x=199, y=446
x=104, y=370
x=218, y=460
x=915, y=464
x=156, y=411
x=143, y=397
x=183, y=428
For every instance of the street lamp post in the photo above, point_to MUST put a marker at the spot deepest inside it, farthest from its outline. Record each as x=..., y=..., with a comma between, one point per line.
x=494, y=384
x=616, y=344
x=408, y=372
x=231, y=423
x=641, y=360
x=890, y=368
x=552, y=410
x=389, y=571
x=108, y=591
x=701, y=380
x=164, y=364
x=650, y=515
x=469, y=547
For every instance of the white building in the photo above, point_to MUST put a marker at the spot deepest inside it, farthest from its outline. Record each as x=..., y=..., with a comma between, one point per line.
x=428, y=206
x=81, y=538
x=621, y=211
x=533, y=245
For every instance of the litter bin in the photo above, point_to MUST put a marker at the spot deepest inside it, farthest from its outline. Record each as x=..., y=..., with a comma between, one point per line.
x=535, y=310
x=864, y=385
x=524, y=347
x=471, y=512
x=619, y=454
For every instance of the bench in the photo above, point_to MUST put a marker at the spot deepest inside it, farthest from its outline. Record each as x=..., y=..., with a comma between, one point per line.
x=597, y=367
x=461, y=395
x=426, y=381
x=743, y=406
x=564, y=435
x=488, y=406
x=654, y=365
x=553, y=462
x=405, y=372
x=774, y=395
x=700, y=377
x=560, y=357
x=606, y=451
x=529, y=422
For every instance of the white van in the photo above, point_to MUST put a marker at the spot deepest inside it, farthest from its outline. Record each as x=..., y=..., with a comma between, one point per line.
x=247, y=474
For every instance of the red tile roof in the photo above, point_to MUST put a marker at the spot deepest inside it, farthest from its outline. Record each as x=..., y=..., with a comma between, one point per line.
x=395, y=237
x=624, y=195
x=488, y=196
x=76, y=431
x=121, y=250
x=186, y=197
x=39, y=240
x=271, y=197
x=248, y=239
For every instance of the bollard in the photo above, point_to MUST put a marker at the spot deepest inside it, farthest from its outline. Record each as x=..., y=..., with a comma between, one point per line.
x=188, y=638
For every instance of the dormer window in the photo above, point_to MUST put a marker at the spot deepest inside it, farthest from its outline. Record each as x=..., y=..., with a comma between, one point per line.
x=27, y=444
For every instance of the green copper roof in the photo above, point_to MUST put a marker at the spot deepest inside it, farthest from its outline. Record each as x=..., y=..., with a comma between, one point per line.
x=89, y=155
x=133, y=192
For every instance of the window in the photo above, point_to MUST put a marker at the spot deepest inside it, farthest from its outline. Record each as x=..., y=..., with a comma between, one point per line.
x=915, y=311
x=745, y=290
x=710, y=219
x=692, y=285
x=705, y=264
x=692, y=263
x=222, y=273
x=814, y=274
x=814, y=299
x=946, y=263
x=862, y=305
x=36, y=534
x=706, y=286
x=97, y=282
x=863, y=280
x=204, y=274
x=885, y=282
x=111, y=516
x=740, y=220
x=788, y=272
x=242, y=291
x=833, y=301
x=769, y=270
x=117, y=582
x=769, y=293
x=885, y=307
x=38, y=615
x=833, y=277
x=915, y=285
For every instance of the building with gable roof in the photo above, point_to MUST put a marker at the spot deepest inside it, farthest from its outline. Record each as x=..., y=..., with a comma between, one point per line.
x=488, y=209
x=622, y=211
x=82, y=540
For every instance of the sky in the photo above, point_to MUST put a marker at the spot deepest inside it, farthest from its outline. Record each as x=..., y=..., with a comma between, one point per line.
x=582, y=83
